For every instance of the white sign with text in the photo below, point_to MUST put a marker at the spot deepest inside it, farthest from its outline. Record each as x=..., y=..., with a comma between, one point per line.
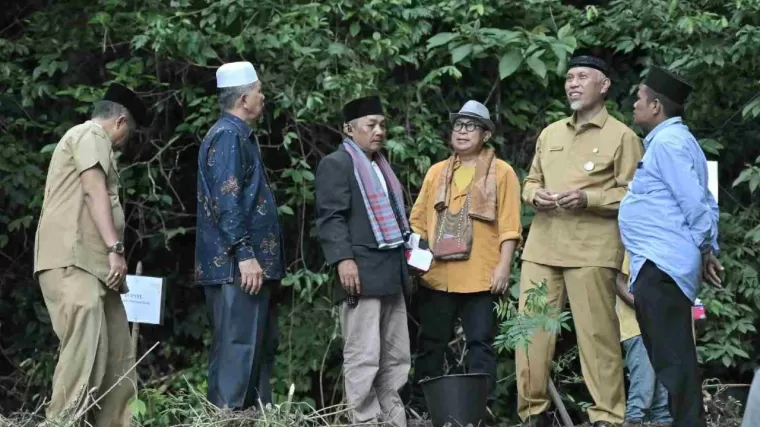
x=145, y=301
x=712, y=178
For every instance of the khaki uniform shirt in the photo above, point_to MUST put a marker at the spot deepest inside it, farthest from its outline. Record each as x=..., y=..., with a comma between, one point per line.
x=66, y=233
x=474, y=274
x=600, y=158
x=629, y=326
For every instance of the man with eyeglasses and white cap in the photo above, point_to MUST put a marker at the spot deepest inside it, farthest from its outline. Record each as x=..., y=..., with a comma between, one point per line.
x=468, y=211
x=239, y=252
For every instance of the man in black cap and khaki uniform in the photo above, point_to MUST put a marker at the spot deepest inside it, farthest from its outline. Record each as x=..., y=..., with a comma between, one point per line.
x=578, y=177
x=79, y=262
x=362, y=228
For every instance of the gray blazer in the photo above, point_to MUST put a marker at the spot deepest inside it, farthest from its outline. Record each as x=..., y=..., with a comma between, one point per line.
x=345, y=232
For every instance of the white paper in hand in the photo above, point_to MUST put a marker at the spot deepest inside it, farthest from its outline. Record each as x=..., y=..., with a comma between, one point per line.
x=419, y=258
x=413, y=242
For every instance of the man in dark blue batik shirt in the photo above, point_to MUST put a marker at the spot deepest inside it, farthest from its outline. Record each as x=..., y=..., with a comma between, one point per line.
x=238, y=250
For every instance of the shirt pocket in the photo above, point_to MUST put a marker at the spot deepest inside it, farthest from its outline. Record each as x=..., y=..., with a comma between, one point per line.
x=639, y=183
x=599, y=162
x=551, y=155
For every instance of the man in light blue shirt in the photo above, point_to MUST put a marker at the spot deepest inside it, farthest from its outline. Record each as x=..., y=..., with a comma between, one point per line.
x=669, y=225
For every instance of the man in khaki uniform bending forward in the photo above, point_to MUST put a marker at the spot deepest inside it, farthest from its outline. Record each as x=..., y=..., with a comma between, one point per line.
x=577, y=179
x=79, y=262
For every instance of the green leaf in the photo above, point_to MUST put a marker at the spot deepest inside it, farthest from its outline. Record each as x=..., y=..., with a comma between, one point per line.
x=479, y=8
x=750, y=112
x=440, y=39
x=337, y=49
x=354, y=29
x=741, y=353
x=726, y=361
x=745, y=175
x=174, y=232
x=208, y=52
x=754, y=182
x=710, y=145
x=49, y=148
x=537, y=65
x=509, y=63
x=138, y=407
x=680, y=61
x=461, y=52
x=672, y=7
x=285, y=210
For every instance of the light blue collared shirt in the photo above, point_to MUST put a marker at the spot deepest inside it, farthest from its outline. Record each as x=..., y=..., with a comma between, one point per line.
x=669, y=215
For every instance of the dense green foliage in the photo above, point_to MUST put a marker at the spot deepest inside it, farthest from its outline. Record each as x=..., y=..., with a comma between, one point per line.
x=425, y=59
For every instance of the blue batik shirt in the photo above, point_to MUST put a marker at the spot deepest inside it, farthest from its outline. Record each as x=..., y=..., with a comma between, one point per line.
x=237, y=213
x=668, y=215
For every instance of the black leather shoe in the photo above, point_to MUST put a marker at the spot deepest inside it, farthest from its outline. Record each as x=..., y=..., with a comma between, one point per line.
x=605, y=424
x=540, y=420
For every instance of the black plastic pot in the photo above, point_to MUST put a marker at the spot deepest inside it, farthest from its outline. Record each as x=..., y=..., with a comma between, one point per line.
x=457, y=399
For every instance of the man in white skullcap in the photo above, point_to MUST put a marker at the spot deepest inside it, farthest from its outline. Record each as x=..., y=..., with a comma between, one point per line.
x=238, y=249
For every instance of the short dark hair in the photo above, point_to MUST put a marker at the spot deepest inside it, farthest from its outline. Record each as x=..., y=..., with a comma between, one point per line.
x=669, y=107
x=109, y=109
x=228, y=95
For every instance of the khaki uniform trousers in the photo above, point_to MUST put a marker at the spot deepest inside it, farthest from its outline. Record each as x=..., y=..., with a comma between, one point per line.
x=376, y=358
x=95, y=348
x=592, y=302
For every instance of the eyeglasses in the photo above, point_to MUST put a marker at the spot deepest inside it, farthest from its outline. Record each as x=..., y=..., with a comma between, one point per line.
x=469, y=126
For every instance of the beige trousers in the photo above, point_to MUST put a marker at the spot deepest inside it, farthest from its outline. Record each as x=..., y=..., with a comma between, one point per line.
x=592, y=301
x=95, y=348
x=376, y=358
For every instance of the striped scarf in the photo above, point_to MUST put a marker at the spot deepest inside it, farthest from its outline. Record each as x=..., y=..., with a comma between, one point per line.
x=390, y=228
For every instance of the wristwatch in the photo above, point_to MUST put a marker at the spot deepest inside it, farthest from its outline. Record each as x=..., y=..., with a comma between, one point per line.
x=117, y=248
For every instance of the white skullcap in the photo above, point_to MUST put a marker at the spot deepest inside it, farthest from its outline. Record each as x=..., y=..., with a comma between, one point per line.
x=235, y=74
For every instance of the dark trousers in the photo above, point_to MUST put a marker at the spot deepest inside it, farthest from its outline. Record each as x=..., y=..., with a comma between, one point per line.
x=664, y=316
x=243, y=346
x=438, y=313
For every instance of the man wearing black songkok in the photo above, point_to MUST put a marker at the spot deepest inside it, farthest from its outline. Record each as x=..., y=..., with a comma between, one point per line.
x=578, y=176
x=362, y=226
x=669, y=224
x=79, y=263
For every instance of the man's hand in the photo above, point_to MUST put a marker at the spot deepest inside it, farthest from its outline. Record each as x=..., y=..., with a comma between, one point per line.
x=544, y=200
x=349, y=276
x=500, y=279
x=572, y=199
x=251, y=275
x=621, y=289
x=118, y=271
x=710, y=268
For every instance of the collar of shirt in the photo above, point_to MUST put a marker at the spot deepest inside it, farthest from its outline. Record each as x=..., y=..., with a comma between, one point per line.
x=599, y=120
x=96, y=124
x=658, y=128
x=90, y=122
x=239, y=123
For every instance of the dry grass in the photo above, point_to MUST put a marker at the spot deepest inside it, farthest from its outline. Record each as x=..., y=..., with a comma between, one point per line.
x=193, y=410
